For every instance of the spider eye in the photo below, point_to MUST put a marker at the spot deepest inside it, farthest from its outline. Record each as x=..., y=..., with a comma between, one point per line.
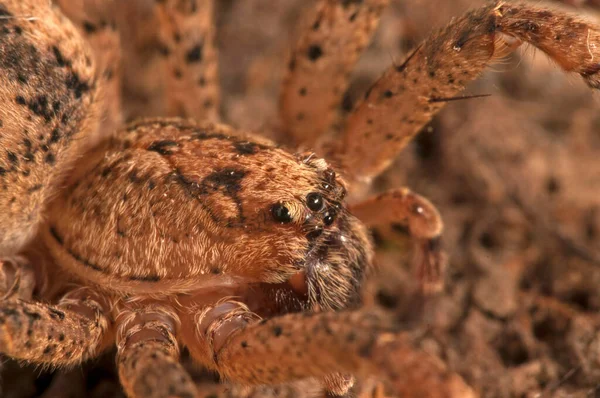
x=314, y=201
x=281, y=213
x=329, y=218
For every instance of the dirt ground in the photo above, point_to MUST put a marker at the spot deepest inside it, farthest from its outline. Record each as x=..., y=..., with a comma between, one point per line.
x=516, y=177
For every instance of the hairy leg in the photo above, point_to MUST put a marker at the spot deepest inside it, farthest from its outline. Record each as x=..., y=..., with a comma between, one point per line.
x=47, y=93
x=96, y=21
x=186, y=35
x=297, y=346
x=424, y=225
x=407, y=96
x=61, y=335
x=320, y=65
x=148, y=355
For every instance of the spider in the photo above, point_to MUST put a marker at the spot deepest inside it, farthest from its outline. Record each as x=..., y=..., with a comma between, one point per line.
x=180, y=231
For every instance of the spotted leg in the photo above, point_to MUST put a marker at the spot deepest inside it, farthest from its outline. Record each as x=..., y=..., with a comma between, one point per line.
x=424, y=225
x=96, y=20
x=408, y=94
x=62, y=335
x=320, y=66
x=148, y=355
x=187, y=34
x=296, y=346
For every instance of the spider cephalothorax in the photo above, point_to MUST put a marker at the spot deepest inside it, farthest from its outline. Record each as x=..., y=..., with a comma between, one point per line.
x=169, y=232
x=246, y=202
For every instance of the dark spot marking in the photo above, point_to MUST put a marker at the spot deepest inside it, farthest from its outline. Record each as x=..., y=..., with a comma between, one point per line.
x=246, y=147
x=277, y=331
x=194, y=54
x=50, y=159
x=54, y=136
x=366, y=350
x=60, y=59
x=34, y=316
x=12, y=158
x=35, y=188
x=351, y=337
x=20, y=100
x=386, y=300
x=56, y=314
x=163, y=50
x=134, y=177
x=162, y=147
x=244, y=344
x=314, y=52
x=388, y=94
x=76, y=85
x=89, y=27
x=347, y=3
x=487, y=240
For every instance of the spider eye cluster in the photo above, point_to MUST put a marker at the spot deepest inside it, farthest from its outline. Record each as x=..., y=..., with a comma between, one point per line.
x=314, y=201
x=329, y=218
x=281, y=213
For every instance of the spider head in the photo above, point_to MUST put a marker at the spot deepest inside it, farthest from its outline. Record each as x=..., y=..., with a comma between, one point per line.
x=326, y=249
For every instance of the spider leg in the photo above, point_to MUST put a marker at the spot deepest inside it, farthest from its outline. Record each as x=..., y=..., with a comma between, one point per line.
x=62, y=335
x=320, y=65
x=407, y=96
x=148, y=355
x=297, y=346
x=424, y=225
x=96, y=20
x=186, y=36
